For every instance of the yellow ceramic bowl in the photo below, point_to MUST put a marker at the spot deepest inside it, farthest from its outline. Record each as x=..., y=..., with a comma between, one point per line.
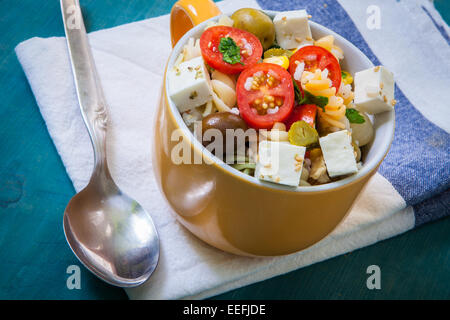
x=239, y=213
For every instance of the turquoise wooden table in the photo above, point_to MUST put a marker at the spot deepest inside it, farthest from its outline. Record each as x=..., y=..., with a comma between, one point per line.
x=34, y=190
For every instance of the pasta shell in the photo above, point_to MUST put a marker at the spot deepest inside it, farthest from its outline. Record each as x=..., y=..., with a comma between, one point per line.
x=228, y=80
x=224, y=92
x=362, y=132
x=220, y=105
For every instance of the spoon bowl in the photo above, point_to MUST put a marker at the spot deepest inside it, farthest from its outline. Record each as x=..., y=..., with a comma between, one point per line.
x=111, y=234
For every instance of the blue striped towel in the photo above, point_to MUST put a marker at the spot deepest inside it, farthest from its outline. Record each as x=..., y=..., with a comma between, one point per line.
x=411, y=187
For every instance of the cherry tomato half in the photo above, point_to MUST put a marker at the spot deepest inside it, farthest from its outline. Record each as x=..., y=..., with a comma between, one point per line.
x=265, y=95
x=305, y=112
x=317, y=57
x=250, y=48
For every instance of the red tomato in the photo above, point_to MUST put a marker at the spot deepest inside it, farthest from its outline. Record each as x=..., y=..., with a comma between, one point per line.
x=317, y=57
x=305, y=112
x=271, y=90
x=251, y=48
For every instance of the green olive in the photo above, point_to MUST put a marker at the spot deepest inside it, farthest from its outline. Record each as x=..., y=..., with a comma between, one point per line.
x=222, y=121
x=256, y=22
x=302, y=134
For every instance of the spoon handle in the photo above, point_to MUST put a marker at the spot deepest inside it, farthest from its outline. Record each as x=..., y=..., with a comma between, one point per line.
x=89, y=91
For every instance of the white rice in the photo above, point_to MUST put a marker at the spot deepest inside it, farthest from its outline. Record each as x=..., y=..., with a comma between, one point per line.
x=299, y=71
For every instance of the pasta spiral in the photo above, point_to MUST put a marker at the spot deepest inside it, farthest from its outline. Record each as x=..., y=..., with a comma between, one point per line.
x=333, y=117
x=318, y=84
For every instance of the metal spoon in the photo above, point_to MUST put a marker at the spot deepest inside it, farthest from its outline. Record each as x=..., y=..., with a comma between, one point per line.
x=110, y=233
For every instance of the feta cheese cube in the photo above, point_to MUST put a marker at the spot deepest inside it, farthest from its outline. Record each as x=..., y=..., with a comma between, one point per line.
x=374, y=90
x=338, y=153
x=280, y=162
x=292, y=29
x=189, y=84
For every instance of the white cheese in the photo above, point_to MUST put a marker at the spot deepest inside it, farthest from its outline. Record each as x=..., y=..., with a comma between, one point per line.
x=292, y=29
x=374, y=90
x=189, y=84
x=280, y=162
x=338, y=153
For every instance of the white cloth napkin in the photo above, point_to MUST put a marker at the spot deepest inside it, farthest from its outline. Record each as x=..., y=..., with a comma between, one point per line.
x=130, y=61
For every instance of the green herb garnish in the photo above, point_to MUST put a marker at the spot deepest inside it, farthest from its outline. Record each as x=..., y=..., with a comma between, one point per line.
x=230, y=50
x=343, y=74
x=308, y=98
x=298, y=93
x=354, y=116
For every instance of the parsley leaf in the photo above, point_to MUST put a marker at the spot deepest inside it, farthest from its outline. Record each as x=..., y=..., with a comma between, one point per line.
x=319, y=101
x=354, y=116
x=298, y=93
x=343, y=74
x=230, y=50
x=308, y=98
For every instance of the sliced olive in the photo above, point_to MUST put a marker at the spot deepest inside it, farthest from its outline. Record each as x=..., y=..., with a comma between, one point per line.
x=276, y=52
x=256, y=22
x=302, y=134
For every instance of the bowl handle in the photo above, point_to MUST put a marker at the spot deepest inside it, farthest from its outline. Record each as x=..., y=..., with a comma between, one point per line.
x=186, y=14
